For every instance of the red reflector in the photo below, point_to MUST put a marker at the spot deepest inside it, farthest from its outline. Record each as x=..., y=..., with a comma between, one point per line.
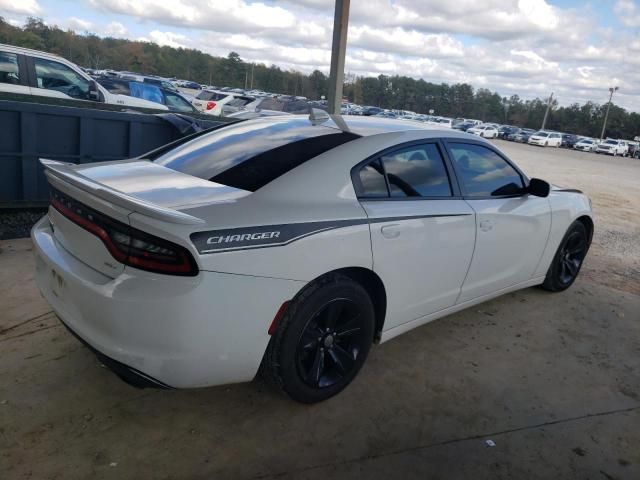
x=276, y=319
x=211, y=105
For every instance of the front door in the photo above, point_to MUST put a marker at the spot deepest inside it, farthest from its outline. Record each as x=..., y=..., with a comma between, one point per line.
x=422, y=232
x=512, y=227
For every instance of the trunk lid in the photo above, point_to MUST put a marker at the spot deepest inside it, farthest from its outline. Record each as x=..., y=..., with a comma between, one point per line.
x=111, y=191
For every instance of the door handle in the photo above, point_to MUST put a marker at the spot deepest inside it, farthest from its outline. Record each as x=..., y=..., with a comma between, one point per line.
x=390, y=231
x=486, y=225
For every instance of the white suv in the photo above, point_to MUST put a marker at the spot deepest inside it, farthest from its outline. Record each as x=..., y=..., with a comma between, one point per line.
x=31, y=72
x=613, y=147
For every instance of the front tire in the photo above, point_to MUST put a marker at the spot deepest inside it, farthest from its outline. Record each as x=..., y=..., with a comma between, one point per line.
x=322, y=340
x=568, y=259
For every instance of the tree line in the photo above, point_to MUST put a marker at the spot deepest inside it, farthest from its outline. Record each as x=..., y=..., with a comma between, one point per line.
x=393, y=92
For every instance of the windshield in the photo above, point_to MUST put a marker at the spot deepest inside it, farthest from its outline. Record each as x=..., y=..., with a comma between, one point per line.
x=586, y=141
x=541, y=134
x=611, y=142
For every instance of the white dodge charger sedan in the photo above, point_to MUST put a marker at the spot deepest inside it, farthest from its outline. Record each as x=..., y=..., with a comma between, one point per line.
x=293, y=244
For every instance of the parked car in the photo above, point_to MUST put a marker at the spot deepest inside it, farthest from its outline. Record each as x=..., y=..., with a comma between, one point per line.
x=613, y=147
x=173, y=100
x=471, y=121
x=368, y=111
x=160, y=82
x=195, y=265
x=522, y=136
x=272, y=106
x=506, y=130
x=219, y=103
x=485, y=131
x=54, y=76
x=586, y=145
x=545, y=139
x=464, y=126
x=569, y=140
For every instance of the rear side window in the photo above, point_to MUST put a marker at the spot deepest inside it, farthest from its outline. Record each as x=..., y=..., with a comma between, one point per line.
x=417, y=171
x=248, y=155
x=146, y=91
x=373, y=181
x=177, y=103
x=9, y=71
x=483, y=172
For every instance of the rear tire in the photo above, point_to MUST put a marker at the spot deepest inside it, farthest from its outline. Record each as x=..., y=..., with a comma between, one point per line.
x=566, y=264
x=322, y=340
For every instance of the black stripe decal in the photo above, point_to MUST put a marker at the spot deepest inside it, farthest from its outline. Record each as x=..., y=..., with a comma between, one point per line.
x=263, y=236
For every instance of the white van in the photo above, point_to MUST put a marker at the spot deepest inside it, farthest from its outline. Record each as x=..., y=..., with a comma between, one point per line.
x=31, y=72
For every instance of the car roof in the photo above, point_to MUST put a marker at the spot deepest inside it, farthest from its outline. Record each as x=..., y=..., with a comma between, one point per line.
x=368, y=126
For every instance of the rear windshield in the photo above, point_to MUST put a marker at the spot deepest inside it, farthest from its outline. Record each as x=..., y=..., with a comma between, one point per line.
x=207, y=95
x=248, y=155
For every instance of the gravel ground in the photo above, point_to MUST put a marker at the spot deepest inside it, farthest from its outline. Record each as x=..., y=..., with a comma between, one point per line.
x=18, y=223
x=553, y=380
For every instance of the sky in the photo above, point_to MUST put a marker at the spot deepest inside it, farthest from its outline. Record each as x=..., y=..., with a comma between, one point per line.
x=577, y=50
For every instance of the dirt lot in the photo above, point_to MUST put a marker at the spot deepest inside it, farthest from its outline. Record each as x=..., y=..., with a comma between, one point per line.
x=552, y=379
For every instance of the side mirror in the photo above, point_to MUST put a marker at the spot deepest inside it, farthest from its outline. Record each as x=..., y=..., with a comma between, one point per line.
x=94, y=93
x=538, y=187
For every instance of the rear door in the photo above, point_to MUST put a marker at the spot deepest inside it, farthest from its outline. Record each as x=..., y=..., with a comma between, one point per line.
x=422, y=231
x=512, y=227
x=13, y=74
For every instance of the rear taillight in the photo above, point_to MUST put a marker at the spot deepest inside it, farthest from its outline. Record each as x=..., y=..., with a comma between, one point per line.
x=211, y=105
x=126, y=244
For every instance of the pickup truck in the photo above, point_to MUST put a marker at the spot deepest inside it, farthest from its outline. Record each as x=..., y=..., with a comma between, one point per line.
x=613, y=147
x=32, y=72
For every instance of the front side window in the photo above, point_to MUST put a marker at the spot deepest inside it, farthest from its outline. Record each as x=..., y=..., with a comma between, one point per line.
x=52, y=75
x=417, y=171
x=9, y=71
x=483, y=172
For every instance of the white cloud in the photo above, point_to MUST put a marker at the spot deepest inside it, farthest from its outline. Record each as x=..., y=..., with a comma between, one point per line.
x=78, y=24
x=169, y=39
x=20, y=7
x=628, y=12
x=116, y=29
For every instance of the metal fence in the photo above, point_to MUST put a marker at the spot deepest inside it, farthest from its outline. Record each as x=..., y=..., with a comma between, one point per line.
x=29, y=131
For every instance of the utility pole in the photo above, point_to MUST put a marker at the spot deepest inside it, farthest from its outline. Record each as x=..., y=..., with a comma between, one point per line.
x=546, y=113
x=338, y=51
x=252, y=65
x=606, y=115
x=246, y=77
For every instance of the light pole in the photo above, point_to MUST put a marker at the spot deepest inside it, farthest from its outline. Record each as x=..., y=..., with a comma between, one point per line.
x=606, y=115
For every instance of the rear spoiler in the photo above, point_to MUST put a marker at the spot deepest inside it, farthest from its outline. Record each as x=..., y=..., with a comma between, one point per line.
x=61, y=172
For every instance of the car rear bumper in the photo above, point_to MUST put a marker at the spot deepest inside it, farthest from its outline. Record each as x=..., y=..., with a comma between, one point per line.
x=173, y=331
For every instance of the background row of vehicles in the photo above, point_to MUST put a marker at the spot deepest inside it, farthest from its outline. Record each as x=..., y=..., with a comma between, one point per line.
x=32, y=72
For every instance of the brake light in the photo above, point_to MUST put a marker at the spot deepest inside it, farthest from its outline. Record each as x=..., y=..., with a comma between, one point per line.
x=126, y=244
x=211, y=105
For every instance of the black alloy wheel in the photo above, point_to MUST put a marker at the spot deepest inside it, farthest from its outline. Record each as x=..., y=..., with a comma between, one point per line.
x=330, y=343
x=568, y=259
x=322, y=340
